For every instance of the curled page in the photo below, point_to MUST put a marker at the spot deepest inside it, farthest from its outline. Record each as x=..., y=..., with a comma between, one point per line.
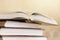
x=15, y=16
x=42, y=18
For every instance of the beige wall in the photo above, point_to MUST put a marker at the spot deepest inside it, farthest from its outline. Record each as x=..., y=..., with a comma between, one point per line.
x=11, y=5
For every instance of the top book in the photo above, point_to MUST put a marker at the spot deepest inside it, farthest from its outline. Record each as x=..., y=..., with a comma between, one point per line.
x=34, y=18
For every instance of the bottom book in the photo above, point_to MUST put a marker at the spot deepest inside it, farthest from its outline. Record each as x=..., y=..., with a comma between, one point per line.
x=24, y=38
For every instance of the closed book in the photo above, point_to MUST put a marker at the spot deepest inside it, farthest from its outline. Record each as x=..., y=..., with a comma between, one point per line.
x=24, y=38
x=6, y=31
x=15, y=24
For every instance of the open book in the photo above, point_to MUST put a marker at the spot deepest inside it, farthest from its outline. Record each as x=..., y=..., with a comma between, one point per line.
x=36, y=18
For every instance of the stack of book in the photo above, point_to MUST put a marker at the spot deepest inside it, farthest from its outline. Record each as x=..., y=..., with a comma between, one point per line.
x=12, y=30
x=19, y=26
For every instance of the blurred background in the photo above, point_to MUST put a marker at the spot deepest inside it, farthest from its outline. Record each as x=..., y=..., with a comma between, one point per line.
x=47, y=7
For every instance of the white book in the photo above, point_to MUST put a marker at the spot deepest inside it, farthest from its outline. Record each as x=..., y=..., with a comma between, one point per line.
x=5, y=31
x=24, y=38
x=20, y=24
x=36, y=18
